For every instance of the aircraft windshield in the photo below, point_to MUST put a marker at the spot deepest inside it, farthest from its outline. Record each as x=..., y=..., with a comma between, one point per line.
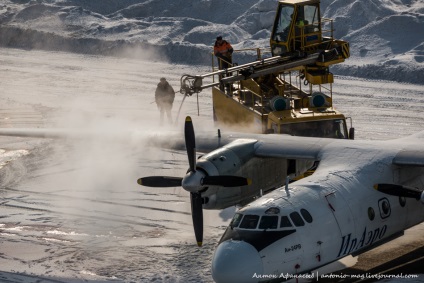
x=266, y=222
x=285, y=222
x=323, y=129
x=249, y=221
x=282, y=23
x=236, y=220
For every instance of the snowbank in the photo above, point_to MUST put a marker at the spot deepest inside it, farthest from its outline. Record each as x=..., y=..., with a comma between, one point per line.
x=386, y=37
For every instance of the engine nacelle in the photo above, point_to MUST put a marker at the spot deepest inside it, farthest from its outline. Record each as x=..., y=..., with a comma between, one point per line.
x=228, y=160
x=238, y=159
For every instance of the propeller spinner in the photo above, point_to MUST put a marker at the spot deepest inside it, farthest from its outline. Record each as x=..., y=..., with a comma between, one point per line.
x=194, y=181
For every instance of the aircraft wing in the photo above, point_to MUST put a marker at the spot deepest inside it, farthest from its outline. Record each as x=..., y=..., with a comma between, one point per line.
x=413, y=151
x=272, y=145
x=171, y=139
x=62, y=133
x=35, y=132
x=290, y=147
x=123, y=135
x=409, y=158
x=86, y=133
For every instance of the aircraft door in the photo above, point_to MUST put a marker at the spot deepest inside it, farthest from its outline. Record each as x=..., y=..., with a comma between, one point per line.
x=341, y=212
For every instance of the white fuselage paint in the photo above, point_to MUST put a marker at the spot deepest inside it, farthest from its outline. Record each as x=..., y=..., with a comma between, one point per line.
x=349, y=216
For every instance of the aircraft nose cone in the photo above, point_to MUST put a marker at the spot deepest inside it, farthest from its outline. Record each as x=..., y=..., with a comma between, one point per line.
x=236, y=262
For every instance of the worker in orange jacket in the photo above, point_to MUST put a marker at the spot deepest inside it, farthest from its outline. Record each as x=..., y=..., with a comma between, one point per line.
x=223, y=51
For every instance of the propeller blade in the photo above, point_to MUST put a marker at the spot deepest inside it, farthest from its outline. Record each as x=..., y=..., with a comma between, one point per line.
x=398, y=190
x=226, y=181
x=197, y=215
x=190, y=142
x=160, y=181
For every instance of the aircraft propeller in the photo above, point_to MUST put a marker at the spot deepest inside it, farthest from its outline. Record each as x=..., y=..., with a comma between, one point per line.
x=195, y=181
x=400, y=191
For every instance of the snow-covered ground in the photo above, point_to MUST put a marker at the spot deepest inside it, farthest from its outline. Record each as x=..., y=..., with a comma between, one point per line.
x=72, y=211
x=386, y=37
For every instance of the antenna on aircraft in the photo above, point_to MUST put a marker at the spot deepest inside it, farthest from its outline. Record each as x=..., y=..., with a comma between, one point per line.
x=287, y=185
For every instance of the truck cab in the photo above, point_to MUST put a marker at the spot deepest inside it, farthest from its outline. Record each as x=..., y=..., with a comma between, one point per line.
x=298, y=28
x=297, y=25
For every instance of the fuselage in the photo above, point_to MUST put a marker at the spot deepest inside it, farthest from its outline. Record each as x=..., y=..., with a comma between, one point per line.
x=321, y=218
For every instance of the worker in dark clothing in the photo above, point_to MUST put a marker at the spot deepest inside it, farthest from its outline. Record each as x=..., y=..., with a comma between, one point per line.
x=164, y=98
x=223, y=51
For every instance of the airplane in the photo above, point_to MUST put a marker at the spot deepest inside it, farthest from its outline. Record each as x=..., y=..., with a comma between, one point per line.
x=361, y=195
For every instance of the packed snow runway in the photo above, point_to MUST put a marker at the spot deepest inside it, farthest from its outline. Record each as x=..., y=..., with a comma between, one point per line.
x=71, y=210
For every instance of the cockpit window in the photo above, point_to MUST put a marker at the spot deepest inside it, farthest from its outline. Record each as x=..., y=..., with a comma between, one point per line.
x=249, y=222
x=306, y=215
x=236, y=220
x=268, y=222
x=285, y=222
x=297, y=219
